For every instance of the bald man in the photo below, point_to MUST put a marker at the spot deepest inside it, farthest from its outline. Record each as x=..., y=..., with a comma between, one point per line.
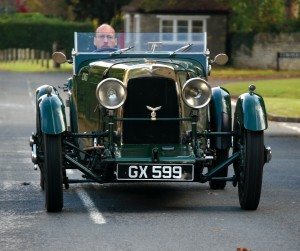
x=105, y=38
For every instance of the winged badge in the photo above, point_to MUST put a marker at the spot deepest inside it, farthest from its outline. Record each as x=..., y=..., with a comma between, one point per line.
x=153, y=113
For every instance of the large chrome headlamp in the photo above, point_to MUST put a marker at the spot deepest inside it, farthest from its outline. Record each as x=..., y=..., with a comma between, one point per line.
x=196, y=93
x=111, y=93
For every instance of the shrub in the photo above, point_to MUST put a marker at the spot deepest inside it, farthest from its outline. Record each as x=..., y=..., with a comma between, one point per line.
x=35, y=31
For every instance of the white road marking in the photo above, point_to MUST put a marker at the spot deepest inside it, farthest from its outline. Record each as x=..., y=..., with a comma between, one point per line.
x=95, y=215
x=291, y=127
x=7, y=184
x=12, y=106
x=30, y=94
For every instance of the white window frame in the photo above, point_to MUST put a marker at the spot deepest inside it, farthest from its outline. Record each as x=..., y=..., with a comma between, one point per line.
x=175, y=19
x=137, y=18
x=127, y=21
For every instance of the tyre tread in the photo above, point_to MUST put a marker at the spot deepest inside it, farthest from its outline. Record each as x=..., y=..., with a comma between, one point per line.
x=53, y=170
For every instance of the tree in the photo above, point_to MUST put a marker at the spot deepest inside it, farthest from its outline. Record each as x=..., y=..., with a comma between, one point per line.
x=261, y=15
x=292, y=9
x=9, y=6
x=51, y=8
x=101, y=10
x=255, y=15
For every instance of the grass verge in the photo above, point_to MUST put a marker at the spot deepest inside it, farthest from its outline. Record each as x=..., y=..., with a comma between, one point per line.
x=282, y=96
x=233, y=73
x=28, y=66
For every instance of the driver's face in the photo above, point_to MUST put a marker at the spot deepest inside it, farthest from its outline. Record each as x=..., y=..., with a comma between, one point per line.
x=105, y=38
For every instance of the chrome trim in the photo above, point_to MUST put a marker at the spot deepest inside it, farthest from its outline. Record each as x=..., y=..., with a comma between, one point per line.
x=153, y=111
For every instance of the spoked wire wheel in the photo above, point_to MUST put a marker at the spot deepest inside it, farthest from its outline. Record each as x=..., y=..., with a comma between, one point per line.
x=249, y=167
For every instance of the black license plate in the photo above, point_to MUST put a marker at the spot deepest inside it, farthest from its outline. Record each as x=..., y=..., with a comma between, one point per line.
x=183, y=172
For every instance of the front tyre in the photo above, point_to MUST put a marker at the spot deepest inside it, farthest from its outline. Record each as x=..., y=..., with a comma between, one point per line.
x=251, y=145
x=53, y=172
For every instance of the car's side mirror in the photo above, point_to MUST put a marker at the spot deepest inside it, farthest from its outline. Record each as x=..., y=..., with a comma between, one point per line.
x=59, y=57
x=220, y=59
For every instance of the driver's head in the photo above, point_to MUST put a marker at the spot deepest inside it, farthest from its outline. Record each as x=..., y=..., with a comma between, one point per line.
x=105, y=37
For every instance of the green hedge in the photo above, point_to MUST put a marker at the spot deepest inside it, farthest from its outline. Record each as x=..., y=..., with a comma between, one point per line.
x=36, y=31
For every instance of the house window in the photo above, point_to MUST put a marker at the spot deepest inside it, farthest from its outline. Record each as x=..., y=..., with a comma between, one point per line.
x=167, y=26
x=180, y=29
x=167, y=30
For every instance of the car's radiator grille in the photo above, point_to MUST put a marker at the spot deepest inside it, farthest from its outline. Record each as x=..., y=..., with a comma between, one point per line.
x=154, y=92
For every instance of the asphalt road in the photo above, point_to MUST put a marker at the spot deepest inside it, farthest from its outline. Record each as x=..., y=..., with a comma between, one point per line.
x=147, y=216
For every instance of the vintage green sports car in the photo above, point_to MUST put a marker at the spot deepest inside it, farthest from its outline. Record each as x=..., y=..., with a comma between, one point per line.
x=145, y=112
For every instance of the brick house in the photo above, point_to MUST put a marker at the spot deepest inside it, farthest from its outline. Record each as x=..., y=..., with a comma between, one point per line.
x=180, y=16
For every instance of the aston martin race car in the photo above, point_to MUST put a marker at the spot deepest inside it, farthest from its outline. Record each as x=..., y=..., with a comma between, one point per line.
x=145, y=112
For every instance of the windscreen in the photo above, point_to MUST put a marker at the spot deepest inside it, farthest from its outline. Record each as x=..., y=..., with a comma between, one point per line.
x=140, y=42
